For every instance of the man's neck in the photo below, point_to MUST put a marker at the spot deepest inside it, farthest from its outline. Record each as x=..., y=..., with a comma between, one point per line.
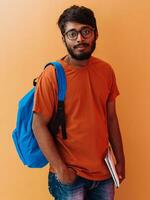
x=79, y=63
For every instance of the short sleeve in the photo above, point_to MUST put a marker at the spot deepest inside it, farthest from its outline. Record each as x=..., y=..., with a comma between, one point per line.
x=46, y=93
x=114, y=92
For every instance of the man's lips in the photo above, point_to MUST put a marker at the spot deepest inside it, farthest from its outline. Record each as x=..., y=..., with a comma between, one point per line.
x=81, y=46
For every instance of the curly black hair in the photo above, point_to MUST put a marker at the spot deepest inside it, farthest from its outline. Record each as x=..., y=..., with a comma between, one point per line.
x=79, y=14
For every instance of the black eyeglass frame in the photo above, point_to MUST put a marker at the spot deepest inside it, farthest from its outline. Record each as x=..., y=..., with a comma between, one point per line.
x=80, y=31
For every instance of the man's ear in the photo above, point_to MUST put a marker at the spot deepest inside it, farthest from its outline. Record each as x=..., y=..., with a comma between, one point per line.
x=96, y=35
x=63, y=39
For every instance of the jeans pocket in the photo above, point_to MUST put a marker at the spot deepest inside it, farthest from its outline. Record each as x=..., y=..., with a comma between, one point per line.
x=52, y=185
x=67, y=184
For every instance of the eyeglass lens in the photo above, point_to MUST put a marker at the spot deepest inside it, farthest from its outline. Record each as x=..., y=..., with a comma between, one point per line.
x=85, y=32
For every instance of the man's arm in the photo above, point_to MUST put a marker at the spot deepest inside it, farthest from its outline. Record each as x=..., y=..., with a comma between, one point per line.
x=115, y=139
x=49, y=149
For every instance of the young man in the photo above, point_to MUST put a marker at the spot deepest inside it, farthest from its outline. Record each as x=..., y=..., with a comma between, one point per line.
x=77, y=167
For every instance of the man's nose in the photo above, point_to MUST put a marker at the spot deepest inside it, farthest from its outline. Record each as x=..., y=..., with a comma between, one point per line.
x=80, y=37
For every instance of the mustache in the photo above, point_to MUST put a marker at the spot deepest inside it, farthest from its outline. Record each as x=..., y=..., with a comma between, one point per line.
x=81, y=45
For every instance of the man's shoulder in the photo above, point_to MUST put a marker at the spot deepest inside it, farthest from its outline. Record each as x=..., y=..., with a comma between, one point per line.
x=47, y=75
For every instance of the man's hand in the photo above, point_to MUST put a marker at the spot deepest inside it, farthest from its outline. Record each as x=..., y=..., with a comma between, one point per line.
x=66, y=176
x=120, y=168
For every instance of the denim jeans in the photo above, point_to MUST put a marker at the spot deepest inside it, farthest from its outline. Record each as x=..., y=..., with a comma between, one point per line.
x=81, y=189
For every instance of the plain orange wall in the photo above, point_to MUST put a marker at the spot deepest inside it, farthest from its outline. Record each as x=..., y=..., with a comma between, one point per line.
x=29, y=38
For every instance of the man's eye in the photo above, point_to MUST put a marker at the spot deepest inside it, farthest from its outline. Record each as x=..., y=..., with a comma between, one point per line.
x=72, y=34
x=86, y=31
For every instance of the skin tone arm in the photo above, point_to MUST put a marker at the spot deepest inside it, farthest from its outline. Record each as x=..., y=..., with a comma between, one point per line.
x=46, y=142
x=115, y=139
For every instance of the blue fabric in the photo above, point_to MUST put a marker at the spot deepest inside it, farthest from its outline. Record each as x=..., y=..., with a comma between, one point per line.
x=81, y=189
x=23, y=136
x=61, y=81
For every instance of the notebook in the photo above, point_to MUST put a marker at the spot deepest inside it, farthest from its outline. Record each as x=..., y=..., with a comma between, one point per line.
x=111, y=166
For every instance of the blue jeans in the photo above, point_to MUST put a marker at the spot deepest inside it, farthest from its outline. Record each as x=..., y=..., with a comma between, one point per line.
x=81, y=189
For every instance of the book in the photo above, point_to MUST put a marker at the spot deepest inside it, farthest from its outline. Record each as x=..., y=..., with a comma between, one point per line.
x=111, y=166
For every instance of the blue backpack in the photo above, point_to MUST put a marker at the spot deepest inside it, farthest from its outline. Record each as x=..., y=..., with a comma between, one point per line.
x=23, y=136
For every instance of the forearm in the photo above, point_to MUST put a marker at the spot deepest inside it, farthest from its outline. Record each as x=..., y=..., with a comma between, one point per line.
x=115, y=139
x=48, y=146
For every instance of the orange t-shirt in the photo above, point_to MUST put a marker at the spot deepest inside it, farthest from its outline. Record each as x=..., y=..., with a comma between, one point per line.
x=89, y=89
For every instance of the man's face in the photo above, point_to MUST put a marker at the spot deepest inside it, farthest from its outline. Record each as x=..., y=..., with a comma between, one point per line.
x=80, y=40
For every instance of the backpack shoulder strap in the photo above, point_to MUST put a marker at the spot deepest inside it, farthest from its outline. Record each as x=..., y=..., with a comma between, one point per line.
x=61, y=79
x=59, y=118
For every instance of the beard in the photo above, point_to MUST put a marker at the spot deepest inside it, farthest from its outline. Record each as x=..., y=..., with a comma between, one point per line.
x=81, y=55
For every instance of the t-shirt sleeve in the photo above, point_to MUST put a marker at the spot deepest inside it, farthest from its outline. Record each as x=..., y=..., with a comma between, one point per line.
x=114, y=92
x=46, y=93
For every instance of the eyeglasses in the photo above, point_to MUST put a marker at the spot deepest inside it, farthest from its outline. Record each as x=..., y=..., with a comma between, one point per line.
x=86, y=33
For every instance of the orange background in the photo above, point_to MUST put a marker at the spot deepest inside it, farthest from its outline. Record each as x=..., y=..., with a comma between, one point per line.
x=29, y=38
